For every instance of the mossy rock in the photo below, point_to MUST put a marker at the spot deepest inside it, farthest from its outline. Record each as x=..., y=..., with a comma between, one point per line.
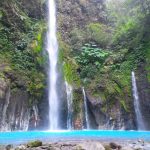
x=107, y=147
x=36, y=143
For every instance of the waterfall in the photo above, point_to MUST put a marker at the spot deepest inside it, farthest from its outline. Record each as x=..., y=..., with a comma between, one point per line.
x=52, y=49
x=70, y=105
x=139, y=118
x=35, y=113
x=86, y=110
x=19, y=121
x=4, y=112
x=24, y=118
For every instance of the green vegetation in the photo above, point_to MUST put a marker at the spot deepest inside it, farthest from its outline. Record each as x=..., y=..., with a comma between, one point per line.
x=99, y=33
x=147, y=49
x=77, y=104
x=69, y=64
x=36, y=143
x=21, y=44
x=91, y=56
x=98, y=55
x=113, y=51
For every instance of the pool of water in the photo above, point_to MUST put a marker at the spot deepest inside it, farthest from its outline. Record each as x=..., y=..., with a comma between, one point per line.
x=23, y=137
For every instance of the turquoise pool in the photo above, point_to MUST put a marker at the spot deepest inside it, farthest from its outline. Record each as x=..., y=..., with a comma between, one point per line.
x=23, y=137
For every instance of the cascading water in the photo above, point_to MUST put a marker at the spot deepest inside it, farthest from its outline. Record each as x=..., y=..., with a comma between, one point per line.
x=52, y=49
x=139, y=118
x=5, y=107
x=35, y=113
x=70, y=105
x=86, y=110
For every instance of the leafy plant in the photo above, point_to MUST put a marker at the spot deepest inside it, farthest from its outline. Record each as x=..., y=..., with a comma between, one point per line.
x=91, y=59
x=99, y=33
x=90, y=54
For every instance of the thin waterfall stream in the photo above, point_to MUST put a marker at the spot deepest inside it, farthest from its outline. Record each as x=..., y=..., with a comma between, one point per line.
x=139, y=118
x=35, y=113
x=69, y=91
x=86, y=110
x=52, y=49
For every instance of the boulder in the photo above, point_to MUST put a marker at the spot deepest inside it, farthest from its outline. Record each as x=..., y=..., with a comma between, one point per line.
x=91, y=146
x=9, y=147
x=115, y=146
x=34, y=144
x=127, y=148
x=20, y=147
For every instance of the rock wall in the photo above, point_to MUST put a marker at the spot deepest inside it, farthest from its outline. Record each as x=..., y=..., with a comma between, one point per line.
x=73, y=17
x=78, y=13
x=17, y=112
x=18, y=104
x=143, y=86
x=105, y=116
x=15, y=109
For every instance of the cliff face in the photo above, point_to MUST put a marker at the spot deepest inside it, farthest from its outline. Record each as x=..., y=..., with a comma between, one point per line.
x=88, y=60
x=114, y=118
x=107, y=82
x=78, y=14
x=144, y=94
x=16, y=111
x=21, y=62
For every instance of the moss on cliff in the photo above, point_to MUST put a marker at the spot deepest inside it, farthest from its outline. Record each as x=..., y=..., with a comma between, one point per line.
x=94, y=52
x=69, y=64
x=148, y=61
x=78, y=108
x=21, y=43
x=110, y=79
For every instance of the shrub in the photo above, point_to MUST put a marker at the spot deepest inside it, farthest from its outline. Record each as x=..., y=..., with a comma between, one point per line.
x=99, y=33
x=91, y=59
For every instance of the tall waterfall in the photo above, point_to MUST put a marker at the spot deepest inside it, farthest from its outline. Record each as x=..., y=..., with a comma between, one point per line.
x=139, y=118
x=70, y=105
x=52, y=48
x=86, y=110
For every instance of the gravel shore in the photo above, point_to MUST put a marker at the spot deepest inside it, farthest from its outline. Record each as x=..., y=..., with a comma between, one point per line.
x=82, y=145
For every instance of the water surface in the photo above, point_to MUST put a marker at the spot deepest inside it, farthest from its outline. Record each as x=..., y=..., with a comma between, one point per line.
x=49, y=136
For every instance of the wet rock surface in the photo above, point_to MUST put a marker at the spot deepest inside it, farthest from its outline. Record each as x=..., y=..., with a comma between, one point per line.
x=144, y=94
x=104, y=120
x=14, y=110
x=82, y=145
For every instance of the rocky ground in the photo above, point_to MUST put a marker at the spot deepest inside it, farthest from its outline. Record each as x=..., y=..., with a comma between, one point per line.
x=81, y=145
